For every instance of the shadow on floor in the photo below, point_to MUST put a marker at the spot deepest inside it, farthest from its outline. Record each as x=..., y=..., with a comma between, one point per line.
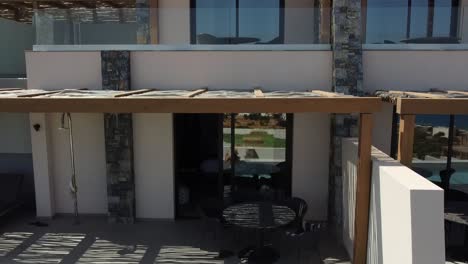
x=182, y=242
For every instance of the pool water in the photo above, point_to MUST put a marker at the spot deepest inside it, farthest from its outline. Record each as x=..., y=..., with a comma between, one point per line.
x=457, y=178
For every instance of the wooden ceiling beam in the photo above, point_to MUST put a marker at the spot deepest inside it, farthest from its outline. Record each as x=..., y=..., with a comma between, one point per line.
x=186, y=104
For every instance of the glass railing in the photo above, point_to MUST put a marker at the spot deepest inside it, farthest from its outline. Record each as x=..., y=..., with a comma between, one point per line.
x=393, y=24
x=182, y=26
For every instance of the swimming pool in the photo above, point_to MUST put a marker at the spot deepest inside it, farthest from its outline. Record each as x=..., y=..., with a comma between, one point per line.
x=459, y=177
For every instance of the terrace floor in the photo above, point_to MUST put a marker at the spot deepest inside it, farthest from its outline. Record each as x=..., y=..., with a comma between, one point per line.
x=183, y=242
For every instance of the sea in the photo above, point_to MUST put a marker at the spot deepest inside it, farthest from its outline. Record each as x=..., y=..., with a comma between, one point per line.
x=461, y=121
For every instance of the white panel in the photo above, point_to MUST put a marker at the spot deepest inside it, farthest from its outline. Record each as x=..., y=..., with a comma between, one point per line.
x=63, y=70
x=311, y=145
x=90, y=162
x=273, y=70
x=154, y=165
x=406, y=223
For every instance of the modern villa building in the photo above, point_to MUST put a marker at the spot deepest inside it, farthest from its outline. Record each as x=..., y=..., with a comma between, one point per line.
x=173, y=102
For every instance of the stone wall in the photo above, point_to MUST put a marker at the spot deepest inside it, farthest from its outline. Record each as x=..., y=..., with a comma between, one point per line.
x=119, y=141
x=347, y=79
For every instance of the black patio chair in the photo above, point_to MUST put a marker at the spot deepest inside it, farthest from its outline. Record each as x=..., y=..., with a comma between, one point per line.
x=299, y=206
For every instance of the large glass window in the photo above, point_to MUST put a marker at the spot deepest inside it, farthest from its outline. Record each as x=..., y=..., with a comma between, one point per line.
x=413, y=21
x=237, y=21
x=256, y=152
x=16, y=37
x=440, y=156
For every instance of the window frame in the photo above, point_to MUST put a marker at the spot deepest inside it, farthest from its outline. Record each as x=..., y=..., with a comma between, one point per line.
x=193, y=21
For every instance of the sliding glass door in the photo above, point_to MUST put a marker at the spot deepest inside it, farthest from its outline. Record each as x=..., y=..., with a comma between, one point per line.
x=256, y=150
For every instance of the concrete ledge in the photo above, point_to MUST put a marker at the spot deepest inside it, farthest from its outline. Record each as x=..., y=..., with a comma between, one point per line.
x=280, y=47
x=426, y=47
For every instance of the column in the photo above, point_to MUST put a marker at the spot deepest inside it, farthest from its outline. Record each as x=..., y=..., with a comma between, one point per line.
x=44, y=187
x=347, y=78
x=119, y=141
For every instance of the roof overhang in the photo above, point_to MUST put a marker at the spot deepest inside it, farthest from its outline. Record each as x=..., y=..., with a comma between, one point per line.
x=184, y=101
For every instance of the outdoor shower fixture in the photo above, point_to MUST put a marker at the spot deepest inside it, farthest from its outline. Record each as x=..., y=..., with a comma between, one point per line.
x=73, y=186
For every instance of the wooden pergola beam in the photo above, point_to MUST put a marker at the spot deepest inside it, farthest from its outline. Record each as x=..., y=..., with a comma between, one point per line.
x=436, y=106
x=363, y=187
x=190, y=105
x=406, y=139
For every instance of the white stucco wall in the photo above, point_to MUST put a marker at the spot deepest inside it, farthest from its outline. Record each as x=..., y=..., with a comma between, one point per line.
x=14, y=133
x=42, y=165
x=154, y=165
x=90, y=163
x=272, y=70
x=153, y=169
x=406, y=222
x=311, y=144
x=65, y=70
x=415, y=70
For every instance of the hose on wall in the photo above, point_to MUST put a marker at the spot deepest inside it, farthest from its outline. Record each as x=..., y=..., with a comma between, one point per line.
x=73, y=184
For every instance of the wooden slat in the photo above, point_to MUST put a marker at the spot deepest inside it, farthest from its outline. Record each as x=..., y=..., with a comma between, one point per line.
x=363, y=184
x=10, y=89
x=325, y=93
x=426, y=95
x=39, y=94
x=196, y=92
x=446, y=106
x=418, y=94
x=406, y=139
x=258, y=92
x=459, y=92
x=142, y=91
x=191, y=105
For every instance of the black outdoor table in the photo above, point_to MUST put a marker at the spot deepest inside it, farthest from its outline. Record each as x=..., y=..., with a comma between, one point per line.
x=261, y=216
x=457, y=212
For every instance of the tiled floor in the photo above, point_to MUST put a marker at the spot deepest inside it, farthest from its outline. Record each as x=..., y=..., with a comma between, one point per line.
x=183, y=242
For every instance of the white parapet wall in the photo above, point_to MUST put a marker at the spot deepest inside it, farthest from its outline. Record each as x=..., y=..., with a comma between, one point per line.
x=406, y=222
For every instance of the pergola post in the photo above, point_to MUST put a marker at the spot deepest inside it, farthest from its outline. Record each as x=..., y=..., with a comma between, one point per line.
x=406, y=139
x=363, y=183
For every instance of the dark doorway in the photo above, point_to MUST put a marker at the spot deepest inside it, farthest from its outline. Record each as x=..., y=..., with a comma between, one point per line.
x=198, y=161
